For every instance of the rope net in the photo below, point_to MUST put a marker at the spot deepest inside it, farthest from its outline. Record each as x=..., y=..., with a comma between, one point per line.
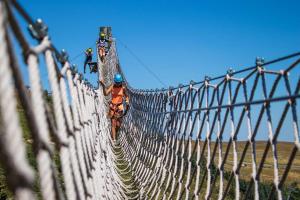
x=70, y=133
x=220, y=138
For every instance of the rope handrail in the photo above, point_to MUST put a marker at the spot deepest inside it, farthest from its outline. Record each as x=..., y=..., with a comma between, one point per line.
x=238, y=104
x=293, y=55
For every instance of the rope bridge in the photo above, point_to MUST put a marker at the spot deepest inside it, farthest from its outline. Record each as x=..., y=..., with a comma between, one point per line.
x=212, y=139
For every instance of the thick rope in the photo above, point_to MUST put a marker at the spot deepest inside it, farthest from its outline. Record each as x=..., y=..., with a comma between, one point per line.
x=21, y=176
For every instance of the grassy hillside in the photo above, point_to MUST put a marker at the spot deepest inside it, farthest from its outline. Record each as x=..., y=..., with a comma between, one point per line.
x=291, y=187
x=283, y=153
x=4, y=191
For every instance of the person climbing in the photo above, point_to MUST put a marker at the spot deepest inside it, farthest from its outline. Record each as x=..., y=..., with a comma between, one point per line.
x=102, y=46
x=88, y=57
x=119, y=97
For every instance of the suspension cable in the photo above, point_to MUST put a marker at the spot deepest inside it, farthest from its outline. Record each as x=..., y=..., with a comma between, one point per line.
x=142, y=63
x=80, y=54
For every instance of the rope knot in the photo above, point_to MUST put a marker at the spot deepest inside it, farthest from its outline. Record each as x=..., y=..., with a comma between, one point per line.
x=62, y=57
x=259, y=61
x=192, y=83
x=38, y=30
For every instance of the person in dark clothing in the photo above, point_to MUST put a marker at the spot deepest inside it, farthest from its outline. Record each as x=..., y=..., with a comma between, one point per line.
x=88, y=57
x=102, y=43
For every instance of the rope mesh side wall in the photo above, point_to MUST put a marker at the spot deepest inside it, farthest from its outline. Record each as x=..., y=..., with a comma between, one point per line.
x=72, y=129
x=193, y=140
x=11, y=134
x=188, y=141
x=201, y=141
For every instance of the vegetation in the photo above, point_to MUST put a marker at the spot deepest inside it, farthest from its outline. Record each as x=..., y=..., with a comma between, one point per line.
x=126, y=174
x=291, y=189
x=5, y=193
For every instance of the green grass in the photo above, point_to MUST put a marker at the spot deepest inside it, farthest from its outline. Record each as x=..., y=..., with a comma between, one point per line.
x=122, y=164
x=283, y=149
x=291, y=186
x=5, y=193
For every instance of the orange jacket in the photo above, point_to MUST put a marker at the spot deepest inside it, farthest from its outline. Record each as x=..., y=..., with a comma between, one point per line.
x=117, y=94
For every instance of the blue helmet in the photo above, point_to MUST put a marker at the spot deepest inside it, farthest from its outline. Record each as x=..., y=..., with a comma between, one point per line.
x=118, y=78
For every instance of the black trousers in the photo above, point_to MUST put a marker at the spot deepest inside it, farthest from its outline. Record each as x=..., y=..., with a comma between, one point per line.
x=87, y=60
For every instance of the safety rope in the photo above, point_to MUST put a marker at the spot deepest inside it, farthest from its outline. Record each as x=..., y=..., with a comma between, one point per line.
x=211, y=139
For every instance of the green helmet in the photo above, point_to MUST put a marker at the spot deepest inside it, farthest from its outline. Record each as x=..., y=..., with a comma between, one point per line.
x=102, y=34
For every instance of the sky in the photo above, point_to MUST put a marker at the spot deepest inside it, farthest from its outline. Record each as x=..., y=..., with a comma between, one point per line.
x=178, y=40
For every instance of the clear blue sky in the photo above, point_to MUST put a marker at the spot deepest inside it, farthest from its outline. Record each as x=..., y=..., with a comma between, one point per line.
x=178, y=40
